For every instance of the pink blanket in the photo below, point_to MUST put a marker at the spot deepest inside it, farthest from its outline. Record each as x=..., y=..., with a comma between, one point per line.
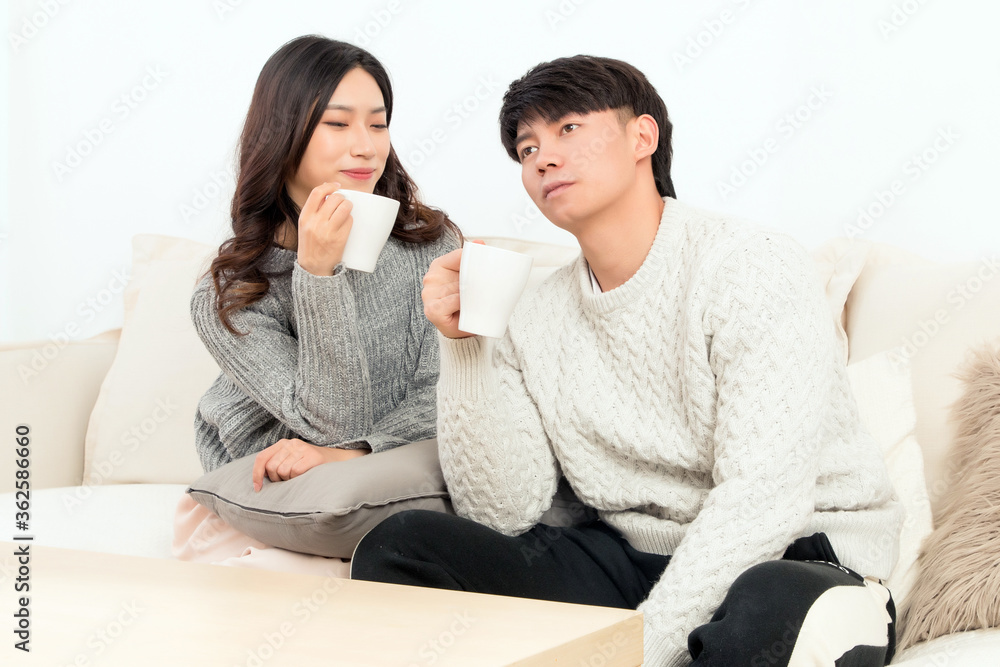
x=201, y=536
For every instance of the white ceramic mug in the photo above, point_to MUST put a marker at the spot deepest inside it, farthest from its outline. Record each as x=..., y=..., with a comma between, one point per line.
x=373, y=217
x=490, y=281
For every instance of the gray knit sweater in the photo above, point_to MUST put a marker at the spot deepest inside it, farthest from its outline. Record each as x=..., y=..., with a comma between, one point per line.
x=343, y=360
x=700, y=408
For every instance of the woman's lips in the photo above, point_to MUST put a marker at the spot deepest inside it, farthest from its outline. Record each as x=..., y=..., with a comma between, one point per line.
x=359, y=174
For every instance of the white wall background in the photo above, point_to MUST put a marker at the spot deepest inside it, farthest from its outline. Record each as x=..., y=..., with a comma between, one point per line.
x=149, y=97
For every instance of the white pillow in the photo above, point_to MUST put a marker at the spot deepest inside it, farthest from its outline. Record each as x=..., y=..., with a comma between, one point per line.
x=883, y=391
x=142, y=425
x=839, y=263
x=934, y=312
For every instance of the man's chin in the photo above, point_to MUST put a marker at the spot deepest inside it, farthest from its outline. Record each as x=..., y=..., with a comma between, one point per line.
x=565, y=220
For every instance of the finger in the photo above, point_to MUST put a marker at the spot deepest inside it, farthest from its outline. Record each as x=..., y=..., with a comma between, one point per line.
x=260, y=463
x=444, y=269
x=281, y=451
x=443, y=310
x=335, y=203
x=272, y=467
x=301, y=466
x=318, y=196
x=436, y=290
x=450, y=261
x=284, y=469
x=432, y=295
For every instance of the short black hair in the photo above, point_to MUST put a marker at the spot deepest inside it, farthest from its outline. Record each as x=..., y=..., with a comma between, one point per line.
x=585, y=84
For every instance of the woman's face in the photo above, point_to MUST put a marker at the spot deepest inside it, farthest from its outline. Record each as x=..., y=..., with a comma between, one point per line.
x=351, y=142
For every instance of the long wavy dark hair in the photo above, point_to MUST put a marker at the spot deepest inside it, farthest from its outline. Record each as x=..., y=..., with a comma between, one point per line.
x=287, y=105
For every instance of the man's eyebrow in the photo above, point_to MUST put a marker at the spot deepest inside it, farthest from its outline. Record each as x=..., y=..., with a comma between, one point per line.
x=344, y=107
x=527, y=134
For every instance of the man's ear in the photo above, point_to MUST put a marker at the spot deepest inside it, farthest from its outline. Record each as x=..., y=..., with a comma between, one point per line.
x=646, y=134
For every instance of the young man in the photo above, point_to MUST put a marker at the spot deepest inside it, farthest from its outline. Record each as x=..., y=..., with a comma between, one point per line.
x=682, y=376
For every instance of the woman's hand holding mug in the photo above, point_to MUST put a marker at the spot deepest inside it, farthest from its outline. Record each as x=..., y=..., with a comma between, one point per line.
x=324, y=225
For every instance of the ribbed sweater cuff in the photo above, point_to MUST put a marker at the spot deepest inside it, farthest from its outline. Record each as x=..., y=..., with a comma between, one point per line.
x=315, y=293
x=466, y=368
x=661, y=653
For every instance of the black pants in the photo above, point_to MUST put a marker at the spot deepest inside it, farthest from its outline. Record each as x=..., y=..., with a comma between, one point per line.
x=763, y=619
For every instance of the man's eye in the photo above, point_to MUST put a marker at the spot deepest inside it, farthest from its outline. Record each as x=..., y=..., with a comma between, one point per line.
x=527, y=150
x=569, y=127
x=380, y=126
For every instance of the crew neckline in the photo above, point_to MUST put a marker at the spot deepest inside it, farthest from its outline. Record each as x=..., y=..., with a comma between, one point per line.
x=664, y=242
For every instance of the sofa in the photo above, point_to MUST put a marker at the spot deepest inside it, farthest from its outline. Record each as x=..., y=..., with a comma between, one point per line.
x=110, y=418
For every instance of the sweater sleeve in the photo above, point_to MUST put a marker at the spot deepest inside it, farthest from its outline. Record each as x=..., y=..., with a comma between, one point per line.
x=770, y=351
x=316, y=384
x=414, y=417
x=496, y=457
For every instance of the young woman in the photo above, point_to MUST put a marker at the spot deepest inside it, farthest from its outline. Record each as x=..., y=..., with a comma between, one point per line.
x=319, y=363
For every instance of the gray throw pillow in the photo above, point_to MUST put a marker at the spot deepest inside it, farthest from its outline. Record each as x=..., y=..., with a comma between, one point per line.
x=327, y=510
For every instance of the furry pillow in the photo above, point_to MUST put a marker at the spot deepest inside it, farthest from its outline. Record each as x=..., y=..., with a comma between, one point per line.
x=958, y=587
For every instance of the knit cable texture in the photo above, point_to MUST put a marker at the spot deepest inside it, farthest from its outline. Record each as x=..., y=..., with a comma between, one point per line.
x=700, y=408
x=346, y=360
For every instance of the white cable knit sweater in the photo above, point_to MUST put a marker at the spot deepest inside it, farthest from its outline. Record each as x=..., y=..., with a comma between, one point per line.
x=701, y=408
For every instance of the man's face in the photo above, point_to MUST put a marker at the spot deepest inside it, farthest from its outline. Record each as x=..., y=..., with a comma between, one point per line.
x=578, y=166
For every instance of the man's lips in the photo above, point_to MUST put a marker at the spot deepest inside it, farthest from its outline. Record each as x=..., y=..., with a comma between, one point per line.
x=359, y=174
x=550, y=189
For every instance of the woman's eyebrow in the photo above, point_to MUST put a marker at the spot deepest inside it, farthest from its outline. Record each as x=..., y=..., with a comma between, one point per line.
x=344, y=107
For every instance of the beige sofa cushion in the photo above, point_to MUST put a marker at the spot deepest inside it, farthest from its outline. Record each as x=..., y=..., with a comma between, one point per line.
x=935, y=313
x=142, y=425
x=51, y=386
